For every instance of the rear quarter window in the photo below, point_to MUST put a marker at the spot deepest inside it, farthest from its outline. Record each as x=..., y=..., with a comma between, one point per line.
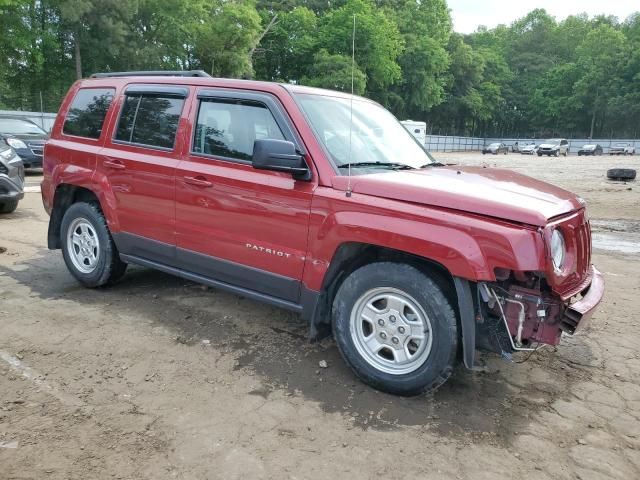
x=88, y=110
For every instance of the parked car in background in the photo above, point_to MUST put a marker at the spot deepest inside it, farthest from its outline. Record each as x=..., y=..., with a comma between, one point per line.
x=590, y=149
x=266, y=190
x=529, y=149
x=622, y=149
x=11, y=178
x=26, y=138
x=554, y=147
x=495, y=148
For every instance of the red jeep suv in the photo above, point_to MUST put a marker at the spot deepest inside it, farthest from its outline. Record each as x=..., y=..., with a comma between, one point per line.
x=321, y=203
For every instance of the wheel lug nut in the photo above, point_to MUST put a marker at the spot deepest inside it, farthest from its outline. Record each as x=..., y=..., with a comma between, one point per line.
x=381, y=322
x=383, y=335
x=401, y=329
x=392, y=318
x=395, y=340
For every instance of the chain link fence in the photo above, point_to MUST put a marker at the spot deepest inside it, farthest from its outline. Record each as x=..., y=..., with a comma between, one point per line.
x=446, y=143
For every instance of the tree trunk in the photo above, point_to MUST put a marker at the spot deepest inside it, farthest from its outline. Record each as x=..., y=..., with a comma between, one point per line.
x=78, y=57
x=593, y=123
x=264, y=32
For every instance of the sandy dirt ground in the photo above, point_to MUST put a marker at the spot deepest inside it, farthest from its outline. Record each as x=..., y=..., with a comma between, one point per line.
x=160, y=378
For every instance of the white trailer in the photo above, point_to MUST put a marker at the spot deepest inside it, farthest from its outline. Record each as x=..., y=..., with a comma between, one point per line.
x=417, y=129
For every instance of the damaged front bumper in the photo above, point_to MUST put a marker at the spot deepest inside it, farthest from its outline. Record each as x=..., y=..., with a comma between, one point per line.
x=525, y=317
x=577, y=314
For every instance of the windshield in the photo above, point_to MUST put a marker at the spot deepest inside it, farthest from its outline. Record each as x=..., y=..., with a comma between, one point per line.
x=553, y=141
x=589, y=146
x=621, y=144
x=15, y=126
x=494, y=145
x=377, y=137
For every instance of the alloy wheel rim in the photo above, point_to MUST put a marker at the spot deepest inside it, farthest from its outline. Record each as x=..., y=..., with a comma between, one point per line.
x=83, y=245
x=391, y=331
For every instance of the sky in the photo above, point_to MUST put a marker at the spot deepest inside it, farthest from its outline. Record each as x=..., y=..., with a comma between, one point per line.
x=469, y=14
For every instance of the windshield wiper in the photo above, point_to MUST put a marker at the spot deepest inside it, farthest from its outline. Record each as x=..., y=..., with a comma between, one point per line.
x=390, y=165
x=433, y=164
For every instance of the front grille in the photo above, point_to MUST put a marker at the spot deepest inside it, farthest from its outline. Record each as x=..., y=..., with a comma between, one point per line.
x=36, y=147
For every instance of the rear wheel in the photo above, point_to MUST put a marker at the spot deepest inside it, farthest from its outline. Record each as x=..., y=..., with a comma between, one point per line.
x=395, y=328
x=8, y=206
x=87, y=246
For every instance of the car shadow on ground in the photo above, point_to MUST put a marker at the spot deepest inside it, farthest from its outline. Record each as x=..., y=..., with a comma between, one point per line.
x=273, y=343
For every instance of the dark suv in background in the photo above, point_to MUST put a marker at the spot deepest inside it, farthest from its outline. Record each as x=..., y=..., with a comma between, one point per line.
x=11, y=178
x=26, y=138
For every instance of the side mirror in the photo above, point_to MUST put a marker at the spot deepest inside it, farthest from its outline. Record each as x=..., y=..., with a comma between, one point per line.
x=279, y=156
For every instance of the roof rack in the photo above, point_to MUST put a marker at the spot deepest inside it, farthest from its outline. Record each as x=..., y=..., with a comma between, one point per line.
x=154, y=73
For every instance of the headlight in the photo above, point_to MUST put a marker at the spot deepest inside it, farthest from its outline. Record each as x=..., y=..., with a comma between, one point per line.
x=558, y=249
x=16, y=143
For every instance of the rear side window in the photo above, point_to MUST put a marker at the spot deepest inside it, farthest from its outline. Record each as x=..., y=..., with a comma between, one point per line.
x=150, y=120
x=87, y=112
x=229, y=128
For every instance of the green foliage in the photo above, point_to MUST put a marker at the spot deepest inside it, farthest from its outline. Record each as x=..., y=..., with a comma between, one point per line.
x=286, y=51
x=537, y=76
x=334, y=71
x=378, y=42
x=224, y=37
x=425, y=28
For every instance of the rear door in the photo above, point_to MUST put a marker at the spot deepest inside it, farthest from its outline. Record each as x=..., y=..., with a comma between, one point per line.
x=139, y=163
x=239, y=225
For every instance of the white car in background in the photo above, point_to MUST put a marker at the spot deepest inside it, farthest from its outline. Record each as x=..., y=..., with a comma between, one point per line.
x=622, y=149
x=554, y=147
x=529, y=149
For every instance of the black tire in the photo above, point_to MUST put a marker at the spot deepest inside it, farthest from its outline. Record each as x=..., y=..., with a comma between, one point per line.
x=539, y=154
x=621, y=174
x=556, y=153
x=8, y=206
x=109, y=268
x=437, y=366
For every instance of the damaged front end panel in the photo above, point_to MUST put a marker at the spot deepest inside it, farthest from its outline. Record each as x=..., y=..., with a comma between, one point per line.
x=520, y=313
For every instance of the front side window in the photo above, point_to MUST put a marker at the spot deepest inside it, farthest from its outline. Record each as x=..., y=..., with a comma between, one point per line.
x=150, y=120
x=361, y=133
x=228, y=128
x=87, y=112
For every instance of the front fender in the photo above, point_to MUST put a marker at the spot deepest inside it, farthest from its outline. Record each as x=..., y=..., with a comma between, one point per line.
x=468, y=246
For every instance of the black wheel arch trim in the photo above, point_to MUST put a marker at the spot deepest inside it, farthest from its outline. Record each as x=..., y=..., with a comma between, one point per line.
x=466, y=309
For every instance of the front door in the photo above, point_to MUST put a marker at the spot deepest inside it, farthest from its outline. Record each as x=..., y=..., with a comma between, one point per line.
x=238, y=225
x=139, y=163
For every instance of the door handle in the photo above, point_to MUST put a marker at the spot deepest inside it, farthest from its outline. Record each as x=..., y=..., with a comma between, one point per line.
x=198, y=181
x=114, y=164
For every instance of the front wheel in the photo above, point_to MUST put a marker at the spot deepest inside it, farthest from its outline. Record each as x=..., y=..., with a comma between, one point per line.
x=87, y=247
x=395, y=328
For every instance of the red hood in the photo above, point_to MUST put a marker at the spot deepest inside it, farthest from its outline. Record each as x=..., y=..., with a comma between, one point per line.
x=486, y=191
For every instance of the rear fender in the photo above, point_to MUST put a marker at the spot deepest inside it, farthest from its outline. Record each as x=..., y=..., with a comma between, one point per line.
x=65, y=182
